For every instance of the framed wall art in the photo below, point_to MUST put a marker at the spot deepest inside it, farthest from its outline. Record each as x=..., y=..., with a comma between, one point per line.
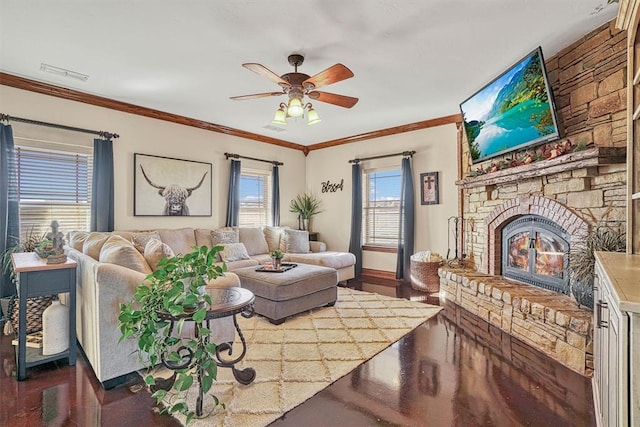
x=163, y=186
x=429, y=190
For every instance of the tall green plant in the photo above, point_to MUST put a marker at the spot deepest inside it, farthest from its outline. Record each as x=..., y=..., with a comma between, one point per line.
x=174, y=290
x=306, y=205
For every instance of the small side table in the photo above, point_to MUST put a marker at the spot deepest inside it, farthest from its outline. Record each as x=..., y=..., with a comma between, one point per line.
x=313, y=236
x=37, y=278
x=224, y=302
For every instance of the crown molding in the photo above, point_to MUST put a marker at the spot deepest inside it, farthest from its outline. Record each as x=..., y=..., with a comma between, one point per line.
x=74, y=95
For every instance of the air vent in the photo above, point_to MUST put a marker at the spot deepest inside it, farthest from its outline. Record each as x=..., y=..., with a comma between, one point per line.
x=63, y=72
x=274, y=128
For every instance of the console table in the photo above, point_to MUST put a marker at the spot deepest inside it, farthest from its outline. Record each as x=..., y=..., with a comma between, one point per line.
x=37, y=278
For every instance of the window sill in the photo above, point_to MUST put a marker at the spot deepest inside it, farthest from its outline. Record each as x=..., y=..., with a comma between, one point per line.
x=386, y=249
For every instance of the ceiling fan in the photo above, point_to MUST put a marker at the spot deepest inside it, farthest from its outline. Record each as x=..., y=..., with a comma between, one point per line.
x=298, y=85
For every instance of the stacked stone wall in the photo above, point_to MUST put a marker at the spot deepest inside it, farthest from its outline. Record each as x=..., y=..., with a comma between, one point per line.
x=547, y=321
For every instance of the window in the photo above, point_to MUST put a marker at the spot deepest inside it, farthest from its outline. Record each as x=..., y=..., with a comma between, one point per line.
x=53, y=185
x=381, y=207
x=255, y=193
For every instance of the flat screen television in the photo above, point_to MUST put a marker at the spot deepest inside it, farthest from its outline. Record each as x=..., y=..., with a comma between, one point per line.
x=512, y=112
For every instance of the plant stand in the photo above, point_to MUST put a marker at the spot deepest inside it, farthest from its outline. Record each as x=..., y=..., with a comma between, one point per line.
x=224, y=303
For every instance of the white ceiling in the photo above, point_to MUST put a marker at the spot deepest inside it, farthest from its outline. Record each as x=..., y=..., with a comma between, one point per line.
x=412, y=60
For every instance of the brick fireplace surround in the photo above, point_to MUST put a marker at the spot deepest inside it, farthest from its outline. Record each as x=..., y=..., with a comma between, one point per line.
x=577, y=191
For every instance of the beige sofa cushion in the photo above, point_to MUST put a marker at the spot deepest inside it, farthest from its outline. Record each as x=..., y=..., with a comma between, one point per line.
x=93, y=244
x=203, y=237
x=77, y=238
x=118, y=250
x=154, y=251
x=254, y=241
x=296, y=241
x=181, y=240
x=331, y=259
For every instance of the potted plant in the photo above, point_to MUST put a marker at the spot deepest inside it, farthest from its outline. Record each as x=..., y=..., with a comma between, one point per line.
x=276, y=258
x=582, y=260
x=175, y=289
x=305, y=205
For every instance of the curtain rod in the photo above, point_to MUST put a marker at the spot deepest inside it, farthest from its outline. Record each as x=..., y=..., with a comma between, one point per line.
x=238, y=156
x=108, y=135
x=404, y=153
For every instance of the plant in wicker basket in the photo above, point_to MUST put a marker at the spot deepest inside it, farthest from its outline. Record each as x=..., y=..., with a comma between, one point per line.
x=582, y=260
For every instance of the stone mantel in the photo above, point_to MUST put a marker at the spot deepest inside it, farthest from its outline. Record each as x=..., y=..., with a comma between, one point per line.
x=592, y=157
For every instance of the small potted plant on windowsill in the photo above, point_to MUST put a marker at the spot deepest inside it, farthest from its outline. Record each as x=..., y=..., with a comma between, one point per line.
x=175, y=288
x=276, y=258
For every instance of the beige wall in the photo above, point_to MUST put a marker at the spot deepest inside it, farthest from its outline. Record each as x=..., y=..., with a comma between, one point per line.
x=436, y=151
x=150, y=136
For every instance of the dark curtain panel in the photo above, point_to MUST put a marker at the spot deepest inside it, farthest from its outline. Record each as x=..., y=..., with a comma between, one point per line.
x=233, y=199
x=9, y=219
x=102, y=186
x=355, y=243
x=405, y=241
x=275, y=200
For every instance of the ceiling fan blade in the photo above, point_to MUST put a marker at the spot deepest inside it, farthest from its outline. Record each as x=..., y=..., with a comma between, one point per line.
x=332, y=98
x=335, y=73
x=255, y=95
x=265, y=72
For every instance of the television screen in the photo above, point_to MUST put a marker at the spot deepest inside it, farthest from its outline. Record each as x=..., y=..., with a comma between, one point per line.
x=512, y=112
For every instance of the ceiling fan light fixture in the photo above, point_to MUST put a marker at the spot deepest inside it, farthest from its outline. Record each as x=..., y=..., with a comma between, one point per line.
x=312, y=116
x=295, y=108
x=279, y=117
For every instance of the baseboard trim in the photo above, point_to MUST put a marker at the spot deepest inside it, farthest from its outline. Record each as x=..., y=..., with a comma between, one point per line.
x=386, y=278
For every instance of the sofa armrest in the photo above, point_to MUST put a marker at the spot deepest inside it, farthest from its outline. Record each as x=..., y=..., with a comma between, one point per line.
x=317, y=246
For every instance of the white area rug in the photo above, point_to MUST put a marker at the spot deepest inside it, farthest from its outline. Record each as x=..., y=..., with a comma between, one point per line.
x=305, y=354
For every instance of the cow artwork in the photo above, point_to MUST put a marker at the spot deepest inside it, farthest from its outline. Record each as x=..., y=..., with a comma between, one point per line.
x=175, y=196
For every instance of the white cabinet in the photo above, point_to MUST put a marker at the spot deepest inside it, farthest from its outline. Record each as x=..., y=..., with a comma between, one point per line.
x=615, y=334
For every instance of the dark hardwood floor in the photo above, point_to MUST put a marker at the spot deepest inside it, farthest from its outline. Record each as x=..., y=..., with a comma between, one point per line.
x=453, y=370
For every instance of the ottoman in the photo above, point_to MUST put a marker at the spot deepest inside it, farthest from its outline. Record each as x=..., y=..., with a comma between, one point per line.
x=279, y=295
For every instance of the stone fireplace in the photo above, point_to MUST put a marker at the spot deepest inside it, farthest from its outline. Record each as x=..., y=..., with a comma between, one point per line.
x=529, y=238
x=520, y=221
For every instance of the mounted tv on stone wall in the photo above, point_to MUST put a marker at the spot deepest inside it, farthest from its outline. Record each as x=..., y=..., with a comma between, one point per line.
x=513, y=111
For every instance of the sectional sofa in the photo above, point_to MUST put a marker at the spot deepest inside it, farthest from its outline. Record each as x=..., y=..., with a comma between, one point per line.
x=111, y=265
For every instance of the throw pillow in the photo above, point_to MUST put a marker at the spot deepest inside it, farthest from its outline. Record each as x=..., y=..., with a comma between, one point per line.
x=234, y=252
x=296, y=241
x=93, y=244
x=140, y=240
x=225, y=235
x=254, y=241
x=273, y=235
x=154, y=251
x=118, y=250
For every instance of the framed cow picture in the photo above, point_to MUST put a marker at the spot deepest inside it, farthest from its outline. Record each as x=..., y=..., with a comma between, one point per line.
x=164, y=186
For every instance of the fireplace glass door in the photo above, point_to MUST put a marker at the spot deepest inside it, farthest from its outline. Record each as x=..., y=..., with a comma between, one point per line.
x=535, y=250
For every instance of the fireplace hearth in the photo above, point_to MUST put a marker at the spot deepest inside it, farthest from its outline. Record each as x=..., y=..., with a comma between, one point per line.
x=535, y=251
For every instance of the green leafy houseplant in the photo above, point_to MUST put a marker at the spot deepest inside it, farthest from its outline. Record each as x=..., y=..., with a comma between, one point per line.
x=174, y=289
x=305, y=205
x=277, y=254
x=30, y=243
x=582, y=260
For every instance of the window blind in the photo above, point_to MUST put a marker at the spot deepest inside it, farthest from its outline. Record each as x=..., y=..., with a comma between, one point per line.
x=381, y=207
x=255, y=191
x=53, y=185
